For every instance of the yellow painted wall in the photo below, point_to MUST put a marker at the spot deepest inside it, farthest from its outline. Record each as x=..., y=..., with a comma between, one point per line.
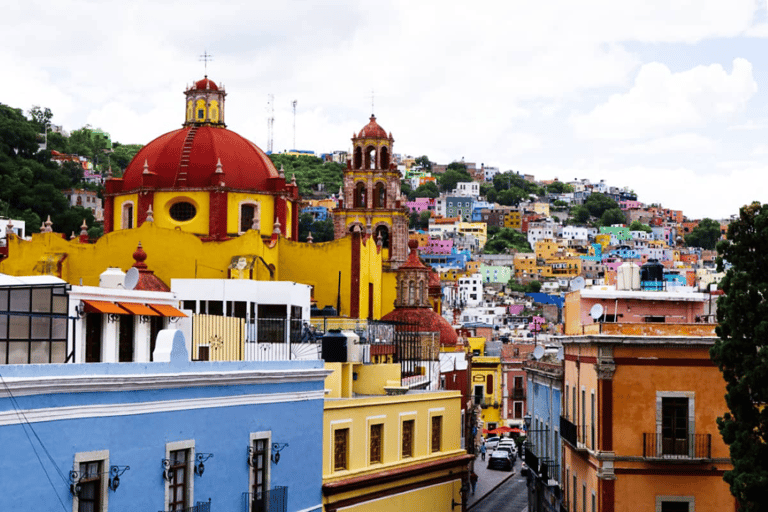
x=477, y=343
x=358, y=414
x=266, y=211
x=711, y=493
x=437, y=498
x=199, y=223
x=388, y=292
x=371, y=378
x=118, y=209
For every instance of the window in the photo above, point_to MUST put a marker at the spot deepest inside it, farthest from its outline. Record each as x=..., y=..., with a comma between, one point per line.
x=340, y=449
x=674, y=425
x=567, y=391
x=518, y=410
x=259, y=475
x=179, y=489
x=675, y=504
x=127, y=218
x=91, y=470
x=377, y=434
x=182, y=211
x=248, y=212
x=592, y=425
x=584, y=497
x=407, y=441
x=437, y=433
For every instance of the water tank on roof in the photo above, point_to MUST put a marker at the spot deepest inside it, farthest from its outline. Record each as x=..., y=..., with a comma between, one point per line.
x=628, y=276
x=652, y=275
x=341, y=347
x=112, y=278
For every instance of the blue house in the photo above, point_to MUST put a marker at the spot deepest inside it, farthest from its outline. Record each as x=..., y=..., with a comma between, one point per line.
x=459, y=206
x=544, y=447
x=457, y=259
x=167, y=435
x=318, y=213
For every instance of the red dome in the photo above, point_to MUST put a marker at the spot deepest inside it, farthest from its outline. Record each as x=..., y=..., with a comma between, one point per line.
x=245, y=166
x=426, y=320
x=372, y=129
x=206, y=84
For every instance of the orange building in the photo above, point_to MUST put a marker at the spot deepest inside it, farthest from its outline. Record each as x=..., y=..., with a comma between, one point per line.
x=641, y=398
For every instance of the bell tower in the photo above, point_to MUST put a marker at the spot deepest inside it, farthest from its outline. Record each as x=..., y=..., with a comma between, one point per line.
x=205, y=104
x=371, y=197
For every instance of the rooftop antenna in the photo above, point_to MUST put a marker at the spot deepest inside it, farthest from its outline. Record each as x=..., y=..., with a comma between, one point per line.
x=294, y=124
x=205, y=57
x=270, y=122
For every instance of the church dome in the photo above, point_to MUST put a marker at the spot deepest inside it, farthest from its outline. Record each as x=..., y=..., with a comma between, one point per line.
x=188, y=158
x=372, y=129
x=423, y=320
x=205, y=84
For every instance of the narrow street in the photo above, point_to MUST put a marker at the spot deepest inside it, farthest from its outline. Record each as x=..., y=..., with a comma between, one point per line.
x=499, y=490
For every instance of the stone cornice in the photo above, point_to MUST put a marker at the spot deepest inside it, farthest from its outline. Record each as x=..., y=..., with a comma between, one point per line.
x=26, y=386
x=639, y=340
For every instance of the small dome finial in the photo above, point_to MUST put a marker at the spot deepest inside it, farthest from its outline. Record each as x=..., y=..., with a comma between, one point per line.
x=282, y=171
x=276, y=231
x=150, y=215
x=146, y=167
x=139, y=256
x=310, y=238
x=84, y=228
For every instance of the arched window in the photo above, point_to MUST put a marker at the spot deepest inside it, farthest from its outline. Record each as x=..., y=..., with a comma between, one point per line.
x=422, y=294
x=384, y=157
x=360, y=200
x=127, y=220
x=380, y=196
x=358, y=163
x=200, y=110
x=214, y=112
x=370, y=157
x=411, y=293
x=384, y=232
x=190, y=111
x=249, y=212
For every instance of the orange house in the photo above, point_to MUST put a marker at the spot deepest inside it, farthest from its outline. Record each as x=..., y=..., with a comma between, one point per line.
x=641, y=398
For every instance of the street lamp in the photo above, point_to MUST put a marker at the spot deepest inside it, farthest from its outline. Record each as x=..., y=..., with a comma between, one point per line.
x=527, y=420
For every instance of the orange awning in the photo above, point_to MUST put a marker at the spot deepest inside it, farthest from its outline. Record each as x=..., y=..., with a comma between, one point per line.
x=103, y=306
x=139, y=309
x=165, y=310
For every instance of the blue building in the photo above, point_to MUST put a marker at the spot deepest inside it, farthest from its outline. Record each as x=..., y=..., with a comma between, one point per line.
x=318, y=213
x=457, y=259
x=477, y=207
x=544, y=447
x=459, y=207
x=237, y=436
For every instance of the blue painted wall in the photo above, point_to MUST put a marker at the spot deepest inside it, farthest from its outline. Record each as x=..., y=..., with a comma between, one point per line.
x=139, y=440
x=544, y=407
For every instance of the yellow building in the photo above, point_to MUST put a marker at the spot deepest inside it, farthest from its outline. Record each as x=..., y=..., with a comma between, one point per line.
x=551, y=259
x=513, y=219
x=640, y=405
x=477, y=229
x=486, y=384
x=389, y=452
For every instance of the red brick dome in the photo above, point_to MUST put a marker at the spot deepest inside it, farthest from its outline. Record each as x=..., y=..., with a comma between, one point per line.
x=372, y=129
x=245, y=166
x=423, y=320
x=206, y=84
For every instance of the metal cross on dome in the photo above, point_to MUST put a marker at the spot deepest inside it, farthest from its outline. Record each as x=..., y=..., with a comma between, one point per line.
x=205, y=57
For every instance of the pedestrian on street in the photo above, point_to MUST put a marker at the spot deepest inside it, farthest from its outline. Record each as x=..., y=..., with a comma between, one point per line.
x=482, y=451
x=473, y=479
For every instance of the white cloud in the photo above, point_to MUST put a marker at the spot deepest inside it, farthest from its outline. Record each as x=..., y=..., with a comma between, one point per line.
x=661, y=101
x=680, y=143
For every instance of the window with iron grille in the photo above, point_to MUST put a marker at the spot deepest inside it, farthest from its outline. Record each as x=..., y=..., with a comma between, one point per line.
x=407, y=441
x=89, y=498
x=177, y=487
x=377, y=434
x=340, y=449
x=437, y=433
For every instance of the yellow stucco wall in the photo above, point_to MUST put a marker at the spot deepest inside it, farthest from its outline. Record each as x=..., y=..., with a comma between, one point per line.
x=371, y=378
x=266, y=211
x=118, y=209
x=163, y=202
x=435, y=498
x=388, y=292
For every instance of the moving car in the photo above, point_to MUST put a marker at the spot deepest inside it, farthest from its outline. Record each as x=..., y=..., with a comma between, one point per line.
x=500, y=459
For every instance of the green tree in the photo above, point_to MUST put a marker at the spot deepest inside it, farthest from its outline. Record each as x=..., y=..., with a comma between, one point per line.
x=507, y=238
x=424, y=219
x=741, y=353
x=705, y=235
x=558, y=187
x=612, y=216
x=451, y=177
x=40, y=117
x=313, y=176
x=639, y=226
x=428, y=189
x=322, y=230
x=598, y=203
x=580, y=214
x=511, y=197
x=405, y=189
x=423, y=162
x=457, y=166
x=533, y=287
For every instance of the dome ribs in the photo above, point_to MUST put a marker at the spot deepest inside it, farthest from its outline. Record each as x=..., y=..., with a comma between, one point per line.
x=186, y=150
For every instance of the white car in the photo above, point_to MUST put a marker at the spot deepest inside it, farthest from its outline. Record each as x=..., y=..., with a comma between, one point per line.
x=508, y=442
x=491, y=443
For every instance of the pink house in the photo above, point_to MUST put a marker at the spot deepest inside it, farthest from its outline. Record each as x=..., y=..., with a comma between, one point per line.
x=420, y=204
x=630, y=205
x=437, y=246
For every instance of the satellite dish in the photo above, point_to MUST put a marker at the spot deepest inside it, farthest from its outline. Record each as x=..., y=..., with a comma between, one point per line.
x=560, y=354
x=131, y=278
x=596, y=312
x=538, y=352
x=577, y=283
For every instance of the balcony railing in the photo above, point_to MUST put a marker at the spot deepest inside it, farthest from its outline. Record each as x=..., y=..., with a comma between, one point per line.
x=581, y=437
x=518, y=393
x=273, y=500
x=691, y=446
x=200, y=506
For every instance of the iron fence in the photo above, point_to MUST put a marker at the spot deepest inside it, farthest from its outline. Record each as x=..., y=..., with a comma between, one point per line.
x=200, y=506
x=691, y=446
x=273, y=500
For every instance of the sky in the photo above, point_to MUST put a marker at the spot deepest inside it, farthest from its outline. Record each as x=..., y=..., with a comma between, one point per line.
x=665, y=97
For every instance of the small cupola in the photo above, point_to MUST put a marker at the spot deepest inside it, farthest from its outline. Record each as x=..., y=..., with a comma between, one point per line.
x=205, y=103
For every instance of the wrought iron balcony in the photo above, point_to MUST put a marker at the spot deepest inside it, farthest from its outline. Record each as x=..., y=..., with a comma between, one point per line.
x=580, y=437
x=200, y=506
x=667, y=448
x=273, y=500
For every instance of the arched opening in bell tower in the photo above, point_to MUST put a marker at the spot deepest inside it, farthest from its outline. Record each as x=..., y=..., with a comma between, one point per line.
x=370, y=157
x=384, y=232
x=384, y=157
x=380, y=196
x=358, y=163
x=359, y=196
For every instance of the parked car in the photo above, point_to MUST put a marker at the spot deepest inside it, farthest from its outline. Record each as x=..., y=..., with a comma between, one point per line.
x=491, y=443
x=500, y=460
x=508, y=442
x=506, y=448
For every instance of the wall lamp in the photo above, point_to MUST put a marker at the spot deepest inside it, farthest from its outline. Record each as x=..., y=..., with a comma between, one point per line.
x=80, y=310
x=167, y=469
x=201, y=458
x=75, y=479
x=114, y=475
x=144, y=319
x=276, y=449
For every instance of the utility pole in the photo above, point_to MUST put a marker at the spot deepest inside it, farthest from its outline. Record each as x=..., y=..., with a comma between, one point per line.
x=270, y=122
x=294, y=124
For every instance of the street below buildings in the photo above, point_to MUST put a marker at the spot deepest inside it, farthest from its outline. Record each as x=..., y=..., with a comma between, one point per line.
x=498, y=490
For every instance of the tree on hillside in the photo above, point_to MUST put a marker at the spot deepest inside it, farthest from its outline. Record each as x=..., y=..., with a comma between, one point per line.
x=507, y=238
x=580, y=214
x=705, y=235
x=598, y=203
x=558, y=187
x=312, y=174
x=40, y=117
x=612, y=216
x=406, y=190
x=322, y=230
x=423, y=162
x=457, y=166
x=639, y=226
x=741, y=353
x=451, y=177
x=428, y=189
